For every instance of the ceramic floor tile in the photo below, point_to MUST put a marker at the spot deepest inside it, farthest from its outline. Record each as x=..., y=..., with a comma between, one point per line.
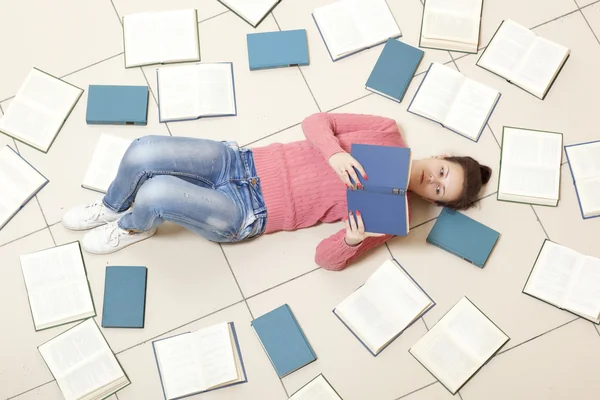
x=49, y=391
x=263, y=382
x=76, y=141
x=570, y=106
x=267, y=101
x=59, y=38
x=584, y=3
x=336, y=83
x=495, y=289
x=592, y=15
x=428, y=139
x=564, y=223
x=348, y=366
x=433, y=392
x=205, y=8
x=562, y=364
x=21, y=366
x=188, y=277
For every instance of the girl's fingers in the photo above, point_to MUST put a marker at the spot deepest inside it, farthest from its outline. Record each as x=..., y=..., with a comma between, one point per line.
x=360, y=168
x=345, y=178
x=347, y=223
x=371, y=234
x=352, y=173
x=352, y=221
x=359, y=223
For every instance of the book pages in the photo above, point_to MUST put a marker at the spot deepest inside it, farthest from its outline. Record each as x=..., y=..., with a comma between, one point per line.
x=348, y=26
x=57, y=286
x=458, y=345
x=530, y=163
x=18, y=182
x=584, y=161
x=317, y=389
x=105, y=162
x=161, y=37
x=39, y=109
x=452, y=20
x=253, y=11
x=83, y=364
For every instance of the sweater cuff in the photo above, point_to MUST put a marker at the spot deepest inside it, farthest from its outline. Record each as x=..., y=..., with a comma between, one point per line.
x=330, y=148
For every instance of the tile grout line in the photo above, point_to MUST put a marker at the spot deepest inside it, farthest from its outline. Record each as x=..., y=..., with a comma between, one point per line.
x=214, y=16
x=417, y=390
x=493, y=135
x=588, y=24
x=282, y=283
x=23, y=237
x=89, y=66
x=597, y=331
x=540, y=221
x=425, y=323
x=30, y=390
x=535, y=337
x=459, y=395
x=235, y=279
x=555, y=19
x=591, y=4
x=154, y=98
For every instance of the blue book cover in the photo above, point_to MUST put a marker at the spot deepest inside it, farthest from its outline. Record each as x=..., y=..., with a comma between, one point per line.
x=463, y=236
x=124, y=297
x=394, y=69
x=117, y=105
x=283, y=340
x=277, y=49
x=382, y=200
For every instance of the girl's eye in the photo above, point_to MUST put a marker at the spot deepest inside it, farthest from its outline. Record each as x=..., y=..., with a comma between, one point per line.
x=437, y=190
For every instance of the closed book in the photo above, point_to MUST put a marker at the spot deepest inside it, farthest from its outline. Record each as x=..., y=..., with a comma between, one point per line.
x=117, y=105
x=394, y=69
x=124, y=297
x=463, y=237
x=283, y=340
x=277, y=49
x=382, y=199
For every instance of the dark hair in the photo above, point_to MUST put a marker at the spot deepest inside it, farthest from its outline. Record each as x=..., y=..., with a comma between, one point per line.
x=476, y=175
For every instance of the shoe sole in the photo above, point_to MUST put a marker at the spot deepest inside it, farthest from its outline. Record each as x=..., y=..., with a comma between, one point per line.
x=116, y=249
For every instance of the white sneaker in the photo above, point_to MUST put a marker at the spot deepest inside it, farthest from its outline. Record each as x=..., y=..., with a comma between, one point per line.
x=86, y=217
x=110, y=238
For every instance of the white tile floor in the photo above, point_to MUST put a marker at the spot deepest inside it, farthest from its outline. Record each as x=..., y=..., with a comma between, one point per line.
x=193, y=283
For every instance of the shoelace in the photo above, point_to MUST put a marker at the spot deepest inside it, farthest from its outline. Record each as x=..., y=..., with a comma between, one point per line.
x=94, y=211
x=112, y=233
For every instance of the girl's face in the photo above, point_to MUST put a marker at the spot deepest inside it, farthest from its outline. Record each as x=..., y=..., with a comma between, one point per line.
x=436, y=179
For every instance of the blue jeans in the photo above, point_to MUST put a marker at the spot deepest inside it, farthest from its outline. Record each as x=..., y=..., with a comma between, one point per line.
x=209, y=187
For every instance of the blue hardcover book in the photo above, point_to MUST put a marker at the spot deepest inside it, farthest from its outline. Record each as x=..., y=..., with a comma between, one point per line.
x=277, y=49
x=117, y=105
x=283, y=340
x=381, y=200
x=124, y=297
x=463, y=236
x=394, y=69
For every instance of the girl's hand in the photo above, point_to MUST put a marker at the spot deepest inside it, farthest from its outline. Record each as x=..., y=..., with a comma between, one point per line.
x=343, y=165
x=355, y=230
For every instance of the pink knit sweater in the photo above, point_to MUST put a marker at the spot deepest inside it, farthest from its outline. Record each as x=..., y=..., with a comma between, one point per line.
x=301, y=189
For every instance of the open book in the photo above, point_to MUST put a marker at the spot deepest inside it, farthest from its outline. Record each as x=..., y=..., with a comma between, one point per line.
x=462, y=341
x=195, y=91
x=530, y=166
x=199, y=361
x=105, y=162
x=380, y=310
x=458, y=103
x=37, y=113
x=349, y=26
x=84, y=366
x=160, y=37
x=522, y=57
x=566, y=279
x=451, y=25
x=584, y=162
x=317, y=389
x=57, y=286
x=251, y=11
x=19, y=182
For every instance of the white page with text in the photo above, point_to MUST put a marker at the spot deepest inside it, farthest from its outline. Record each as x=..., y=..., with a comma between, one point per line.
x=105, y=162
x=317, y=389
x=215, y=89
x=251, y=10
x=452, y=20
x=583, y=292
x=437, y=92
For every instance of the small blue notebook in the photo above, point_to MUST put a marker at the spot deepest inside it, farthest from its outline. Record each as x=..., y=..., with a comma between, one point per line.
x=283, y=340
x=117, y=105
x=463, y=236
x=394, y=70
x=277, y=49
x=124, y=297
x=382, y=200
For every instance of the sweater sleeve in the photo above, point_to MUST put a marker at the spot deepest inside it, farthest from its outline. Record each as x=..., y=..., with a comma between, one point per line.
x=322, y=129
x=334, y=254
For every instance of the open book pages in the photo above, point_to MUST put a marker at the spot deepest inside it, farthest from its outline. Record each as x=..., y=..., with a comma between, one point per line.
x=161, y=37
x=566, y=279
x=524, y=58
x=19, y=181
x=39, y=109
x=83, y=365
x=584, y=161
x=194, y=91
x=457, y=102
x=451, y=24
x=252, y=11
x=383, y=307
x=199, y=361
x=57, y=286
x=530, y=166
x=459, y=345
x=105, y=162
x=348, y=26
x=317, y=389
